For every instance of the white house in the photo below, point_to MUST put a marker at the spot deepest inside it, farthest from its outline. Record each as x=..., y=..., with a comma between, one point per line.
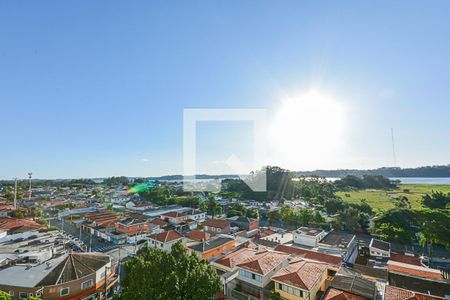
x=379, y=248
x=307, y=236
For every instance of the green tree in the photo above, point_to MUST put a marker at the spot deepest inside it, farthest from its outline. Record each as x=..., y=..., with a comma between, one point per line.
x=157, y=274
x=436, y=200
x=5, y=296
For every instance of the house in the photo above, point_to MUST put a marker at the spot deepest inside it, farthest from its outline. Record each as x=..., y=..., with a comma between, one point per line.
x=333, y=261
x=395, y=293
x=413, y=270
x=136, y=230
x=133, y=205
x=256, y=272
x=340, y=243
x=198, y=235
x=379, y=248
x=244, y=223
x=159, y=222
x=11, y=225
x=301, y=279
x=307, y=236
x=197, y=215
x=354, y=285
x=334, y=294
x=217, y=226
x=174, y=217
x=70, y=276
x=164, y=240
x=212, y=248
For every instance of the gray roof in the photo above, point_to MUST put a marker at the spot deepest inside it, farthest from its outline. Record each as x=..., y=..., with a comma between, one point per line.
x=27, y=277
x=380, y=245
x=211, y=244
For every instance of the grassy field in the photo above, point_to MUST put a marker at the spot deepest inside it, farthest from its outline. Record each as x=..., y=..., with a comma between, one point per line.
x=383, y=200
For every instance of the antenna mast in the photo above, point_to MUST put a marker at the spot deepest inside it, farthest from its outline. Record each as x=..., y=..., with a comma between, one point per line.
x=29, y=192
x=393, y=148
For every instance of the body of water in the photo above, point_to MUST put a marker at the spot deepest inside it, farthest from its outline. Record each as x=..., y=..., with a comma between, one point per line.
x=414, y=180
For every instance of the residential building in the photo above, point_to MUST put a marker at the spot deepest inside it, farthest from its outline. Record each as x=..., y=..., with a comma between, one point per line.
x=174, y=217
x=301, y=279
x=379, y=248
x=256, y=272
x=340, y=243
x=244, y=223
x=217, y=226
x=334, y=262
x=70, y=276
x=307, y=236
x=395, y=293
x=164, y=240
x=213, y=248
x=334, y=294
x=198, y=235
x=354, y=285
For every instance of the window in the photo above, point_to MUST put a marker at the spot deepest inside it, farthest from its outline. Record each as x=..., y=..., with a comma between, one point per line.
x=87, y=284
x=64, y=291
x=23, y=295
x=11, y=293
x=280, y=286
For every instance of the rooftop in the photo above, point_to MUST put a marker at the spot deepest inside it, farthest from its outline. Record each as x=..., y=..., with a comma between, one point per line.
x=334, y=294
x=264, y=261
x=309, y=231
x=166, y=236
x=396, y=293
x=385, y=246
x=303, y=274
x=354, y=285
x=217, y=223
x=232, y=259
x=211, y=244
x=338, y=239
x=310, y=254
x=419, y=271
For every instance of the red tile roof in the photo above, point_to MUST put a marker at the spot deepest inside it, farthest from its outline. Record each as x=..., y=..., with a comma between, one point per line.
x=198, y=235
x=419, y=271
x=333, y=294
x=166, y=236
x=159, y=222
x=264, y=261
x=174, y=214
x=235, y=258
x=407, y=259
x=217, y=223
x=395, y=293
x=14, y=224
x=309, y=254
x=304, y=274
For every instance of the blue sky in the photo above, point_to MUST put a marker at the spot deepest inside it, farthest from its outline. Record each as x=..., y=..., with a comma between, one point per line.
x=98, y=88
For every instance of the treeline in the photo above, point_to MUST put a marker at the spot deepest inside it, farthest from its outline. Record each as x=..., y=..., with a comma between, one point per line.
x=365, y=182
x=428, y=171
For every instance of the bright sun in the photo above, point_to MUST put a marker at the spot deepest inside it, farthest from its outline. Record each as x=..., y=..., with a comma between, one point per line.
x=306, y=132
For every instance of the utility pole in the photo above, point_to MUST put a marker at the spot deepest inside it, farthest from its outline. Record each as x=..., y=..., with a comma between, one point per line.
x=393, y=147
x=29, y=192
x=15, y=193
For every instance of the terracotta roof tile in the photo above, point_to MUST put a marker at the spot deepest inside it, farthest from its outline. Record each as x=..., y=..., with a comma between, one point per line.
x=166, y=236
x=309, y=254
x=302, y=273
x=334, y=294
x=395, y=293
x=264, y=261
x=198, y=235
x=217, y=223
x=237, y=257
x=419, y=271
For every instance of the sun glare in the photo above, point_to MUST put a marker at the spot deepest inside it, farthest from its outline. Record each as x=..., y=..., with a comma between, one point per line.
x=307, y=131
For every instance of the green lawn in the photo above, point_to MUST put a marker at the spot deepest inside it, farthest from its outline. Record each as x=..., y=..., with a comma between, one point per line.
x=382, y=200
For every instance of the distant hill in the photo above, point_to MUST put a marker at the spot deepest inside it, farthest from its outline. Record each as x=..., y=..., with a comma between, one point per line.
x=430, y=171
